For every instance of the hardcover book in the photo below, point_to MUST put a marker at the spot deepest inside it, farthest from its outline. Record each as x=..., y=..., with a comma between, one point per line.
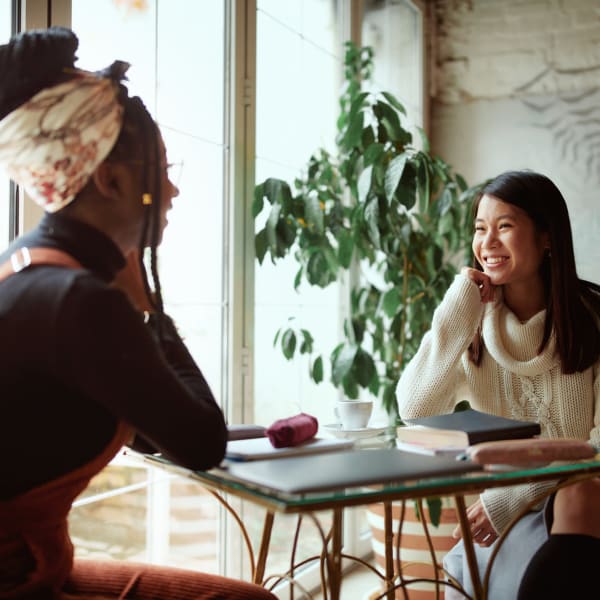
x=461, y=429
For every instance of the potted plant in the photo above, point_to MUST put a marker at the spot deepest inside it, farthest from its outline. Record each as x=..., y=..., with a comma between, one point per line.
x=393, y=213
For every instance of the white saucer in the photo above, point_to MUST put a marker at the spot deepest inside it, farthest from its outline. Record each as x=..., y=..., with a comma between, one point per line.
x=364, y=432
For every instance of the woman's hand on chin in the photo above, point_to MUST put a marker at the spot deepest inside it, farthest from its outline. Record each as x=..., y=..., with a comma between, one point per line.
x=486, y=289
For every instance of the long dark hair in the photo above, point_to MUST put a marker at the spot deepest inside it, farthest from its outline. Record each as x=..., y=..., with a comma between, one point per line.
x=37, y=59
x=572, y=304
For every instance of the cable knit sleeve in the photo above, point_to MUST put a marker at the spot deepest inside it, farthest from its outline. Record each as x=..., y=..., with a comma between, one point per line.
x=595, y=433
x=430, y=381
x=503, y=504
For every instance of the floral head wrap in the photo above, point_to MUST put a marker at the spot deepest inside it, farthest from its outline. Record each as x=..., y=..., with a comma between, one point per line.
x=53, y=143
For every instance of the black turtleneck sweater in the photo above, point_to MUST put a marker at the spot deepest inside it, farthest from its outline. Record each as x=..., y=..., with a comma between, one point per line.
x=76, y=357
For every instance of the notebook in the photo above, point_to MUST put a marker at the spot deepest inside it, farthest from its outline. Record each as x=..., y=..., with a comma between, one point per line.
x=348, y=468
x=464, y=428
x=261, y=448
x=245, y=431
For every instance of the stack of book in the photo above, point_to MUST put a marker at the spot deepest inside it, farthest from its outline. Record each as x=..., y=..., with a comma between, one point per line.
x=451, y=434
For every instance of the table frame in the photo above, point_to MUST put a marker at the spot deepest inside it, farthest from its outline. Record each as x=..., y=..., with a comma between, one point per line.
x=457, y=487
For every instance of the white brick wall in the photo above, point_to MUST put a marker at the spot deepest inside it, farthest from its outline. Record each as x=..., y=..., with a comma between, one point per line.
x=498, y=48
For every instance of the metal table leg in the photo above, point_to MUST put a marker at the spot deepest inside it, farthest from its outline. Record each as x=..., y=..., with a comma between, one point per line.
x=469, y=548
x=263, y=552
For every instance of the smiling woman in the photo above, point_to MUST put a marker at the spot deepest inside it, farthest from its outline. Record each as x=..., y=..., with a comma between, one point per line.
x=517, y=336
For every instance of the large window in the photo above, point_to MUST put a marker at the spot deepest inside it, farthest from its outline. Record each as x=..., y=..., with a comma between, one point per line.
x=185, y=57
x=296, y=108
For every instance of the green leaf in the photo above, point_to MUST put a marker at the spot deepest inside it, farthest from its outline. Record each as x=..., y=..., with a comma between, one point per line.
x=388, y=399
x=424, y=140
x=358, y=329
x=345, y=247
x=352, y=135
x=388, y=117
x=298, y=278
x=391, y=301
x=423, y=185
x=258, y=201
x=446, y=223
x=364, y=184
x=462, y=184
x=358, y=103
x=372, y=221
x=317, y=269
x=277, y=191
x=261, y=245
x=270, y=228
x=349, y=332
x=306, y=347
x=313, y=213
x=317, y=370
x=363, y=368
x=393, y=174
x=288, y=343
x=434, y=505
x=462, y=405
x=372, y=154
x=394, y=102
x=374, y=386
x=445, y=202
x=406, y=192
x=342, y=362
x=368, y=138
x=350, y=387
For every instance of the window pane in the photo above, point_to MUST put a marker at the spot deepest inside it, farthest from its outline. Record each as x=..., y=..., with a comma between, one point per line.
x=298, y=79
x=298, y=68
x=393, y=29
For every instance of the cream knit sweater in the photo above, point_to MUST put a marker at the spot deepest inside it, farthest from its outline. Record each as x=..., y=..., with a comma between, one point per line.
x=512, y=380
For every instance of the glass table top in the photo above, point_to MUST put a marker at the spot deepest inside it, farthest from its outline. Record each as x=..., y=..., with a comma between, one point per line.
x=414, y=488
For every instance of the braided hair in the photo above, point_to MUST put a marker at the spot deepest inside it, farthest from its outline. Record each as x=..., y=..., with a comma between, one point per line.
x=139, y=131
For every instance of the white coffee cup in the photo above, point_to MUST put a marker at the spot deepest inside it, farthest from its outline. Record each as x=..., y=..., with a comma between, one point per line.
x=354, y=414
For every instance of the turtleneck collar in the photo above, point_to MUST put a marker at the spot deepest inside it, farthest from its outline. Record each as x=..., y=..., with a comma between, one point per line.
x=514, y=345
x=92, y=248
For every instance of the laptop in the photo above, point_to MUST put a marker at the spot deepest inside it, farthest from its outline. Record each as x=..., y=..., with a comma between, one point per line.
x=346, y=468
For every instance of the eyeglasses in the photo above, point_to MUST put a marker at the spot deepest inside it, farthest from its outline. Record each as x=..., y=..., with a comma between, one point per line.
x=174, y=172
x=174, y=169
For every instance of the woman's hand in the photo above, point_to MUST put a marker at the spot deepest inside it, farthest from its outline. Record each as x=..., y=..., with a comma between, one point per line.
x=130, y=280
x=482, y=530
x=486, y=289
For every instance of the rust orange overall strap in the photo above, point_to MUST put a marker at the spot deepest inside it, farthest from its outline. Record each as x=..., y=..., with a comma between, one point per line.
x=25, y=257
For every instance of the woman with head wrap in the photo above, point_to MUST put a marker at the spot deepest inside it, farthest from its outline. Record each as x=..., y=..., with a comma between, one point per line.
x=87, y=365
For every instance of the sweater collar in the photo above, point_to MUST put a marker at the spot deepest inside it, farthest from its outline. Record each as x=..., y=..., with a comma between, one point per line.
x=92, y=248
x=514, y=345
